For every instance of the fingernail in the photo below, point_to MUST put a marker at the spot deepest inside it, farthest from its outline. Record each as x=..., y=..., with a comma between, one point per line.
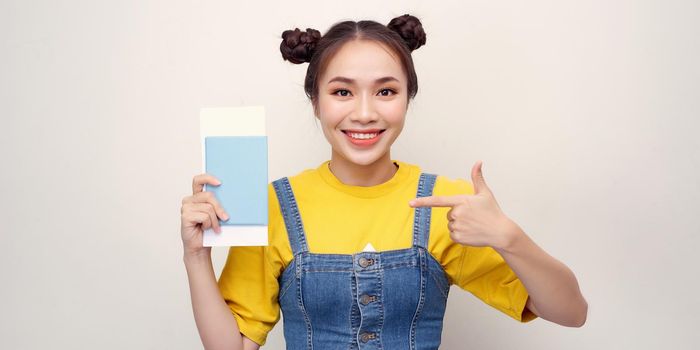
x=225, y=217
x=412, y=203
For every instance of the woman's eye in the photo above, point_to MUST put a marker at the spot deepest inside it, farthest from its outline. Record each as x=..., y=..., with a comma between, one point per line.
x=341, y=90
x=390, y=90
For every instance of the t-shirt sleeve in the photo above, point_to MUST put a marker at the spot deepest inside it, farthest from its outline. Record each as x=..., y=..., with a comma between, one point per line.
x=479, y=270
x=249, y=286
x=484, y=273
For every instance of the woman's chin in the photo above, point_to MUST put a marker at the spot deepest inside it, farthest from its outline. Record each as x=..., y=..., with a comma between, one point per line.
x=363, y=158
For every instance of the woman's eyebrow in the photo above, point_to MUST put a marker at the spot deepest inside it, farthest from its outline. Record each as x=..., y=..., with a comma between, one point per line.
x=352, y=81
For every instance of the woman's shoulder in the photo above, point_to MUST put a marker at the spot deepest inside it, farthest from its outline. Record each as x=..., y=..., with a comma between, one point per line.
x=447, y=186
x=302, y=175
x=444, y=185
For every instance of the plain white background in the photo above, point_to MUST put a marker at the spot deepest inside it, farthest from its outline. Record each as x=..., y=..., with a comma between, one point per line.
x=584, y=113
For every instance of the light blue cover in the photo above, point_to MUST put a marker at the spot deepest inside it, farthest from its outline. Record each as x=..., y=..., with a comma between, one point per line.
x=240, y=162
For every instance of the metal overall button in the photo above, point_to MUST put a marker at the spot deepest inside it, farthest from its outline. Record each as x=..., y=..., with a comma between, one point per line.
x=366, y=299
x=365, y=337
x=364, y=262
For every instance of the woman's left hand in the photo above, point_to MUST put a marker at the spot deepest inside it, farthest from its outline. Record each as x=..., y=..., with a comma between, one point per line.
x=474, y=220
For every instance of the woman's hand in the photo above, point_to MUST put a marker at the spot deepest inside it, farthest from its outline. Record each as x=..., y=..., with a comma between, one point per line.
x=475, y=220
x=200, y=211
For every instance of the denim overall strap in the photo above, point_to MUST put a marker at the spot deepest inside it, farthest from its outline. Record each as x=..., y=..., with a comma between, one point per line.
x=421, y=222
x=290, y=212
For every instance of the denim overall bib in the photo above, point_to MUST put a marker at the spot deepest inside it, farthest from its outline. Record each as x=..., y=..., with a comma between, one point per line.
x=369, y=300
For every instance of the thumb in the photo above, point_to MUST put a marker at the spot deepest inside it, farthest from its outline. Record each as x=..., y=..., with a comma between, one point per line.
x=478, y=179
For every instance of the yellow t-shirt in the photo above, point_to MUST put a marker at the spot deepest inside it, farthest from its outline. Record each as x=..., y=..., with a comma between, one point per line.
x=343, y=219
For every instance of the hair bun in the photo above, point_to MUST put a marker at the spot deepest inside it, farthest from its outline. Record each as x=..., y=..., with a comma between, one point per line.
x=410, y=29
x=297, y=46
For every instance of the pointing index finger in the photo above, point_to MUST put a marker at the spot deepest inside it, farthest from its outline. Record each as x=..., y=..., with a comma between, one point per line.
x=435, y=201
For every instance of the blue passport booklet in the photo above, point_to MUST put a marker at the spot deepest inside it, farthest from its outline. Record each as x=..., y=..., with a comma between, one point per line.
x=234, y=150
x=240, y=163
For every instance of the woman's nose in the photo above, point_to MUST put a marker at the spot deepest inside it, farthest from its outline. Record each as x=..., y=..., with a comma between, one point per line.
x=365, y=110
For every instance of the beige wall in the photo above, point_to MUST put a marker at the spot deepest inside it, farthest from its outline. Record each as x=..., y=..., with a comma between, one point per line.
x=584, y=112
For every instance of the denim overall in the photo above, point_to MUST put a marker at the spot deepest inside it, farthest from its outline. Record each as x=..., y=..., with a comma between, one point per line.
x=369, y=300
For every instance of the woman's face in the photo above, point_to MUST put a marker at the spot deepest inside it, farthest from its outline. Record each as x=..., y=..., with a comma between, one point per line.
x=362, y=101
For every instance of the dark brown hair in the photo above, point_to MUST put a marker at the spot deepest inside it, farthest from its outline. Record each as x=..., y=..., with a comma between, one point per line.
x=402, y=35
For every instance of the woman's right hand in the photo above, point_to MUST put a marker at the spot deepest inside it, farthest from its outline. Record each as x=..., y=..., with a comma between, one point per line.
x=200, y=211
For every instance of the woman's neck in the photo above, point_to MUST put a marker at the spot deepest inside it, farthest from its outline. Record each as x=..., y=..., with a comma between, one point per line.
x=354, y=174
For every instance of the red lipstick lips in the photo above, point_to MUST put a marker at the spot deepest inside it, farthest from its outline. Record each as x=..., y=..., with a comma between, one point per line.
x=363, y=142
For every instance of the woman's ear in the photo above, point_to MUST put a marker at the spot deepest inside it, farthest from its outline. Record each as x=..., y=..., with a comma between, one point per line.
x=315, y=105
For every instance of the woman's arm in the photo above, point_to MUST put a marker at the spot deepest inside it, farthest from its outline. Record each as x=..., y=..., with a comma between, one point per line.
x=217, y=326
x=553, y=289
x=477, y=220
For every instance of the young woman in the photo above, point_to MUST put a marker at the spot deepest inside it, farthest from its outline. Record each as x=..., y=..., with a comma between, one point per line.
x=363, y=249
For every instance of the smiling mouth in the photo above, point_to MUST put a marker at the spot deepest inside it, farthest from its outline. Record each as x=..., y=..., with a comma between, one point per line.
x=364, y=138
x=363, y=135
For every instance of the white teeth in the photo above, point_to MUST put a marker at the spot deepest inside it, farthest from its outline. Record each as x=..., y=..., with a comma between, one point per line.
x=363, y=136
